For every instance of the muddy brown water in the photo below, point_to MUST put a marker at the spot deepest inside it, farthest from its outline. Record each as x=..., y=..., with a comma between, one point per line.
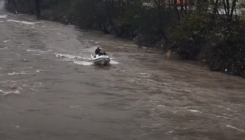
x=49, y=90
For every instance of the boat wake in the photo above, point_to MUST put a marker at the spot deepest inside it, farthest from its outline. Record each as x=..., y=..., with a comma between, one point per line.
x=9, y=92
x=23, y=22
x=3, y=16
x=85, y=63
x=79, y=60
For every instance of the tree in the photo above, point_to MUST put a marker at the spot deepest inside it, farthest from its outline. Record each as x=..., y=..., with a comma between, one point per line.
x=37, y=8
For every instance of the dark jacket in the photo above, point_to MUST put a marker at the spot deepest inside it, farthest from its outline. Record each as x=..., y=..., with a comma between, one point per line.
x=97, y=51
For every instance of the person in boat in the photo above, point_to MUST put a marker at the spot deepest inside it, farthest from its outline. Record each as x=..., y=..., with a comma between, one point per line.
x=102, y=53
x=98, y=51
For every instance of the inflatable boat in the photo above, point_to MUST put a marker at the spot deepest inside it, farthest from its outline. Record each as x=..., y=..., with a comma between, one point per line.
x=101, y=60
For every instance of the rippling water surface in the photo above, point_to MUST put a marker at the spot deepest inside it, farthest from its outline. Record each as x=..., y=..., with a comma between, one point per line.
x=50, y=90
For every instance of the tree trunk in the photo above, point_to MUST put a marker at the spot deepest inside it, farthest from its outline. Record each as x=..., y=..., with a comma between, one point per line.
x=176, y=9
x=37, y=8
x=159, y=5
x=186, y=1
x=215, y=6
x=182, y=7
x=231, y=14
x=108, y=9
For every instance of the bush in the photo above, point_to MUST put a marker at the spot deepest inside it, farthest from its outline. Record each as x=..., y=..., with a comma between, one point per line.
x=190, y=35
x=229, y=51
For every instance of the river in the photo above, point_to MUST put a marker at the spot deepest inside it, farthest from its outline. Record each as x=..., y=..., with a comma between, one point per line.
x=49, y=90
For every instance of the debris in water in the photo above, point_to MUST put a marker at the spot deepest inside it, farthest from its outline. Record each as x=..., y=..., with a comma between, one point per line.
x=9, y=92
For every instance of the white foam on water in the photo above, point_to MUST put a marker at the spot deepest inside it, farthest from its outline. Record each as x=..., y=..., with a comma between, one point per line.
x=30, y=50
x=161, y=105
x=23, y=22
x=37, y=84
x=221, y=117
x=233, y=127
x=32, y=89
x=6, y=41
x=67, y=56
x=86, y=58
x=197, y=111
x=224, y=107
x=74, y=59
x=194, y=111
x=14, y=73
x=74, y=106
x=77, y=59
x=142, y=73
x=85, y=63
x=188, y=90
x=170, y=131
x=114, y=62
x=9, y=92
x=17, y=73
x=3, y=16
x=12, y=81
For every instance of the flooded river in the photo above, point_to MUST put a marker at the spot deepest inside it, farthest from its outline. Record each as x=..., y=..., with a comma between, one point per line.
x=49, y=89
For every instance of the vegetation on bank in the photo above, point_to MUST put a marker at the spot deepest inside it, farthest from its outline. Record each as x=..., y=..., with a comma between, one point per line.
x=194, y=29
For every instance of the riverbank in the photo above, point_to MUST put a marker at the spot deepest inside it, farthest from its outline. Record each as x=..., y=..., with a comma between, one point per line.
x=192, y=35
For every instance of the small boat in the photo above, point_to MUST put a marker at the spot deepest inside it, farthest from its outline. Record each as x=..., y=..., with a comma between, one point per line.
x=101, y=60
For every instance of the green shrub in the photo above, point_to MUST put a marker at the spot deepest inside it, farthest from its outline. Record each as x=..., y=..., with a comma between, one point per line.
x=190, y=35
